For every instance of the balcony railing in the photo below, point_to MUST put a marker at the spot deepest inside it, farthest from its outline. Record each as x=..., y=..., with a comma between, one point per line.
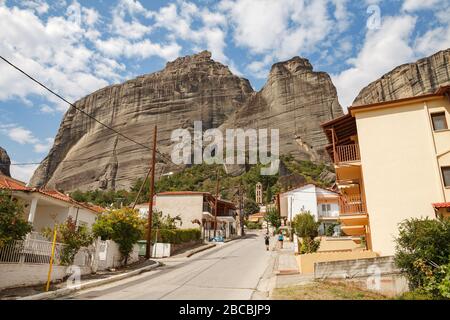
x=352, y=204
x=347, y=153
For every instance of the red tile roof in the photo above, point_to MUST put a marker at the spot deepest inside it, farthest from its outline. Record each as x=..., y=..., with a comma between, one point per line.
x=12, y=184
x=441, y=205
x=191, y=193
x=7, y=183
x=182, y=193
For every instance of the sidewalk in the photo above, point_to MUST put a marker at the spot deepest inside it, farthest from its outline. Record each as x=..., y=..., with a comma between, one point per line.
x=285, y=262
x=87, y=281
x=285, y=271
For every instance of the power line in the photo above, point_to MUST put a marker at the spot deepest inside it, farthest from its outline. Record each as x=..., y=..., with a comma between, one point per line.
x=72, y=105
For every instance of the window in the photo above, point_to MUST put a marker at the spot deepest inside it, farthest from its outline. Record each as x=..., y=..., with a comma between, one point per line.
x=326, y=208
x=439, y=121
x=446, y=176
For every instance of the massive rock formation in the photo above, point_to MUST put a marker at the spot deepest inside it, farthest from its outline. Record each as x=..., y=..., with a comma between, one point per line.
x=408, y=80
x=86, y=155
x=5, y=162
x=295, y=100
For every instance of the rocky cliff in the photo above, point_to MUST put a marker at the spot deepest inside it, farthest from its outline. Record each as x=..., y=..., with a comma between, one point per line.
x=86, y=155
x=5, y=162
x=408, y=80
x=295, y=100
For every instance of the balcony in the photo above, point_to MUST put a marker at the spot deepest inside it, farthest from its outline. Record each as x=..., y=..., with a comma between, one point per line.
x=353, y=215
x=352, y=204
x=346, y=153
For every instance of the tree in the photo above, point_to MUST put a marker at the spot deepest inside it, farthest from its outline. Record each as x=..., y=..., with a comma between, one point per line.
x=306, y=228
x=72, y=236
x=12, y=224
x=123, y=226
x=159, y=221
x=423, y=253
x=250, y=207
x=272, y=216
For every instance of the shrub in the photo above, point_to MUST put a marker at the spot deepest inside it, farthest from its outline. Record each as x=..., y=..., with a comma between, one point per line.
x=12, y=224
x=123, y=226
x=329, y=232
x=253, y=225
x=250, y=207
x=423, y=253
x=273, y=217
x=72, y=236
x=306, y=228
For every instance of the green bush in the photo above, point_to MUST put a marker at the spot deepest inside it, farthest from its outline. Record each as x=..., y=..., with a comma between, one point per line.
x=423, y=253
x=253, y=225
x=176, y=236
x=273, y=217
x=123, y=226
x=12, y=224
x=306, y=228
x=72, y=236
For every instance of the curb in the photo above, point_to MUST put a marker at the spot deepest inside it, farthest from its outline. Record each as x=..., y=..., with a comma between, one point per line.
x=89, y=284
x=209, y=246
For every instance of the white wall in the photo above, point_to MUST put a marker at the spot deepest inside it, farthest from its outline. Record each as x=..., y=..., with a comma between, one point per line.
x=84, y=216
x=48, y=215
x=302, y=199
x=188, y=207
x=110, y=257
x=17, y=275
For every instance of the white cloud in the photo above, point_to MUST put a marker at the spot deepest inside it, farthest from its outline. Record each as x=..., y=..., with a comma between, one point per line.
x=54, y=51
x=342, y=14
x=129, y=10
x=24, y=136
x=47, y=109
x=18, y=134
x=433, y=40
x=413, y=5
x=116, y=47
x=383, y=50
x=23, y=173
x=40, y=6
x=43, y=147
x=209, y=33
x=279, y=30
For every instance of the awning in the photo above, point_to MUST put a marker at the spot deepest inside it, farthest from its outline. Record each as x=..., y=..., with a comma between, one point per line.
x=207, y=216
x=441, y=205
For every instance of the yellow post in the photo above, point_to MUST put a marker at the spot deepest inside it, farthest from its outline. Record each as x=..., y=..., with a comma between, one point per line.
x=51, y=259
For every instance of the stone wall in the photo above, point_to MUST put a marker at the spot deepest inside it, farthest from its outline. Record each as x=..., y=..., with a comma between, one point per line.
x=378, y=274
x=307, y=261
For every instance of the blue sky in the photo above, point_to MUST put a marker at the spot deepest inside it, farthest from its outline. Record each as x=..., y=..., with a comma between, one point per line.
x=76, y=47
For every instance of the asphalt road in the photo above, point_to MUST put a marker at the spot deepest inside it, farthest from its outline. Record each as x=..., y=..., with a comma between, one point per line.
x=240, y=269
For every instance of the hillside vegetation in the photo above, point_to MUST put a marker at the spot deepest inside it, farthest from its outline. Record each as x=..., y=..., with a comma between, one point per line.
x=203, y=178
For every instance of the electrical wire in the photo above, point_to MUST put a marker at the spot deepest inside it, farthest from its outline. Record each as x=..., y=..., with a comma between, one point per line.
x=72, y=105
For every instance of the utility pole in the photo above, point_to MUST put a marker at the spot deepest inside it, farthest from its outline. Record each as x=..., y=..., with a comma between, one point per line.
x=241, y=214
x=216, y=202
x=152, y=189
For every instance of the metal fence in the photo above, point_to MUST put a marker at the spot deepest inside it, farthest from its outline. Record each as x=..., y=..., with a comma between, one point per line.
x=30, y=251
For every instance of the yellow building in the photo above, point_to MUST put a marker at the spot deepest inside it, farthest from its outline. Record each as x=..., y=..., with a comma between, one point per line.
x=392, y=162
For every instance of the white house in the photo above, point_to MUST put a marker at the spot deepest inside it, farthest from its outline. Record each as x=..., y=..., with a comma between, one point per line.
x=44, y=208
x=323, y=204
x=196, y=210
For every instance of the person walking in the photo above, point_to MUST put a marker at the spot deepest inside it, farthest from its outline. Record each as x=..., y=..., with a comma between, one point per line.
x=280, y=239
x=267, y=241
